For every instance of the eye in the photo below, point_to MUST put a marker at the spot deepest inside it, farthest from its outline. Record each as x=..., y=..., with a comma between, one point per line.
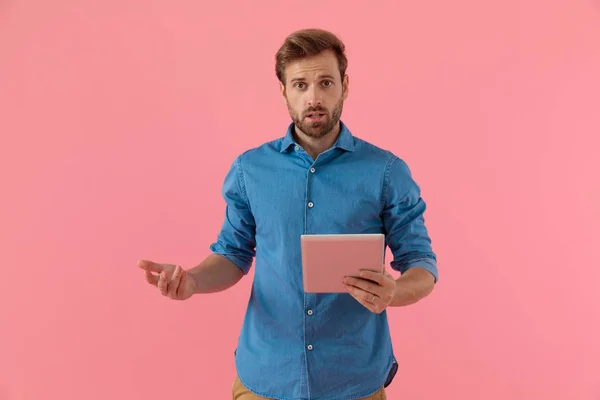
x=299, y=85
x=327, y=83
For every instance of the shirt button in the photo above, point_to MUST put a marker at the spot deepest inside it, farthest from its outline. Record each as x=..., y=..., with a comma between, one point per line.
x=310, y=347
x=310, y=204
x=310, y=312
x=312, y=170
x=297, y=147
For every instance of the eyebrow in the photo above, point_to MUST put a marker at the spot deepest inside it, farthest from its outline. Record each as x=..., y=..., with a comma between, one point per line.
x=324, y=76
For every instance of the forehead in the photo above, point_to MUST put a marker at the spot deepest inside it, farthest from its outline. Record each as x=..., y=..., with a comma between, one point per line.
x=324, y=63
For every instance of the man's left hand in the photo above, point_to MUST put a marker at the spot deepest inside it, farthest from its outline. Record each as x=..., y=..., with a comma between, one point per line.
x=374, y=290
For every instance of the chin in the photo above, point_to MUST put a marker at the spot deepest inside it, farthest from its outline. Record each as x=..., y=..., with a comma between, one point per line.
x=316, y=132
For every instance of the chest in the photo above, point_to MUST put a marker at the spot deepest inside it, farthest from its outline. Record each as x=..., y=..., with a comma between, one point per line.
x=316, y=197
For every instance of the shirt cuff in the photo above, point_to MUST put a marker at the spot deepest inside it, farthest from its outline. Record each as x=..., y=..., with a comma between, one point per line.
x=241, y=262
x=428, y=264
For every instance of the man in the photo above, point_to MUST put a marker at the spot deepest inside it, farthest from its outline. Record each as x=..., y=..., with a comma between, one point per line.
x=318, y=178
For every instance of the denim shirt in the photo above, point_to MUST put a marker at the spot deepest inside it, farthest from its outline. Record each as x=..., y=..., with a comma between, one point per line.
x=297, y=345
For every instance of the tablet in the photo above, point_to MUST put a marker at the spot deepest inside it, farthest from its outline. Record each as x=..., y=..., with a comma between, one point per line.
x=328, y=259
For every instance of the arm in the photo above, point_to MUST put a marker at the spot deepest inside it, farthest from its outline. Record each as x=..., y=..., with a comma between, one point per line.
x=407, y=236
x=412, y=286
x=232, y=256
x=234, y=249
x=216, y=273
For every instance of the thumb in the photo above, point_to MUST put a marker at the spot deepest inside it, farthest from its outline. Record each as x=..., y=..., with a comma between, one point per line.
x=151, y=278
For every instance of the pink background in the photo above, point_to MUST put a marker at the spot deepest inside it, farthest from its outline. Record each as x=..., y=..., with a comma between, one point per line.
x=119, y=120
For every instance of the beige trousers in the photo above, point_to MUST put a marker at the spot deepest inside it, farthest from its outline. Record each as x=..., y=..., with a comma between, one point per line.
x=240, y=392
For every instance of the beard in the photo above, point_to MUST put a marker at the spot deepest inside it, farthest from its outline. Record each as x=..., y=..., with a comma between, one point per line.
x=321, y=128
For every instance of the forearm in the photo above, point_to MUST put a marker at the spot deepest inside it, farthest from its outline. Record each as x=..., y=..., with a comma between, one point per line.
x=215, y=274
x=412, y=286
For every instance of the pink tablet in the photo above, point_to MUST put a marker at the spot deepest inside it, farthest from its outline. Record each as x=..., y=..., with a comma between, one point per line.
x=327, y=259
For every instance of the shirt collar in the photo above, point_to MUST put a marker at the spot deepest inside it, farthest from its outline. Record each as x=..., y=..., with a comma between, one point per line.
x=345, y=140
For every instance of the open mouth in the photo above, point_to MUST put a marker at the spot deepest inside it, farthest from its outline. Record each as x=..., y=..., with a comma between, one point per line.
x=315, y=116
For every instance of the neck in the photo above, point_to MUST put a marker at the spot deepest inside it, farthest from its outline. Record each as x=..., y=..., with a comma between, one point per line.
x=315, y=146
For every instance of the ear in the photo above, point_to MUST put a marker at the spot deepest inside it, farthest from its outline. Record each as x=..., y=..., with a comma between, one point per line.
x=345, y=83
x=282, y=92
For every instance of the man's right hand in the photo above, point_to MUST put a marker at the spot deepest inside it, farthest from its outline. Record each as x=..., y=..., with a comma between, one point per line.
x=172, y=280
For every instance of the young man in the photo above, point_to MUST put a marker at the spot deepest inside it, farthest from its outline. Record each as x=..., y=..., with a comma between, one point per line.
x=318, y=178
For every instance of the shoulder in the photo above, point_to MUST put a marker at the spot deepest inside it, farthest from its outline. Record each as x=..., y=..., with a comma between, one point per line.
x=390, y=160
x=397, y=177
x=250, y=157
x=259, y=152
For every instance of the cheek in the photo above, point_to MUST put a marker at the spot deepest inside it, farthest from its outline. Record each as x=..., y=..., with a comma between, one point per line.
x=331, y=99
x=294, y=104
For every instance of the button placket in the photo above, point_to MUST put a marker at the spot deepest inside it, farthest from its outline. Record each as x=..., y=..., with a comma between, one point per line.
x=310, y=203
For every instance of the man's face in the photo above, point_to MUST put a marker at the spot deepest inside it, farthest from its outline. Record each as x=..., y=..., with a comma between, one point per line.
x=314, y=93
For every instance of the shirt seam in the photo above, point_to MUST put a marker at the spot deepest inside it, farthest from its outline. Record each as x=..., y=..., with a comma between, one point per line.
x=241, y=183
x=386, y=176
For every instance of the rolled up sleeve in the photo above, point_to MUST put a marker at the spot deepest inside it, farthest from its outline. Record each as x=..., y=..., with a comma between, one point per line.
x=403, y=209
x=236, y=240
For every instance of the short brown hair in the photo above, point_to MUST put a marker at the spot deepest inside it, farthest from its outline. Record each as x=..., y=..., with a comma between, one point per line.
x=306, y=43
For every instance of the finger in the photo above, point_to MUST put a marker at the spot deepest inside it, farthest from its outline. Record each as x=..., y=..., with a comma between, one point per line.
x=365, y=285
x=364, y=298
x=372, y=275
x=150, y=266
x=175, y=281
x=382, y=278
x=361, y=295
x=163, y=283
x=151, y=278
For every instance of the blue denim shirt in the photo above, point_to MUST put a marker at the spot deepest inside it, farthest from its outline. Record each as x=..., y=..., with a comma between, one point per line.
x=297, y=345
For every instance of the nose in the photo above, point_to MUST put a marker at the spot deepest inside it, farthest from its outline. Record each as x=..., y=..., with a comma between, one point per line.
x=314, y=97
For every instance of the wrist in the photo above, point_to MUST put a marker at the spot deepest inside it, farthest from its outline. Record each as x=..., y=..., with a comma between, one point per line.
x=412, y=286
x=193, y=278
